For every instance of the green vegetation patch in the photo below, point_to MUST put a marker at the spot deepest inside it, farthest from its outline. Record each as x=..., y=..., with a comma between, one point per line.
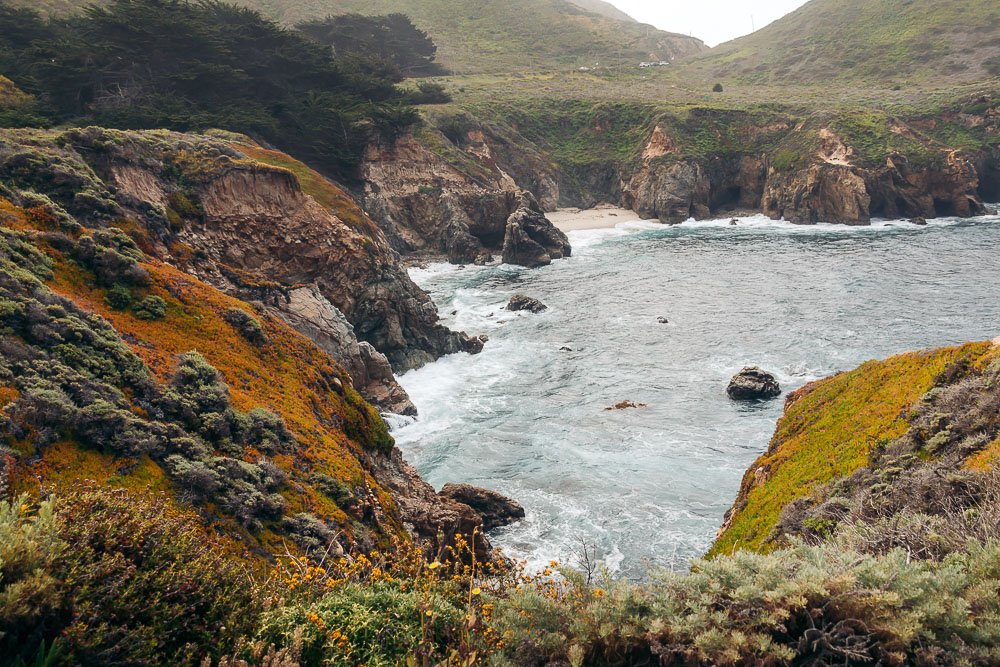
x=827, y=432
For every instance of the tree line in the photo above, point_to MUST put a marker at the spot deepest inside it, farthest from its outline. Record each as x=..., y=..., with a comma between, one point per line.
x=320, y=92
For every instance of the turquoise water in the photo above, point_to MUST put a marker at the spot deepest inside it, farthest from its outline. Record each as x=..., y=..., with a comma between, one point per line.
x=651, y=485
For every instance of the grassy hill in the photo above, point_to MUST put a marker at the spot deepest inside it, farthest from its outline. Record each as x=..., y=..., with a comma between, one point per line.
x=866, y=40
x=479, y=36
x=604, y=9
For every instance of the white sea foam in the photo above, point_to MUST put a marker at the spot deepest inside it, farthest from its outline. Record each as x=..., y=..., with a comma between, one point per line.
x=528, y=420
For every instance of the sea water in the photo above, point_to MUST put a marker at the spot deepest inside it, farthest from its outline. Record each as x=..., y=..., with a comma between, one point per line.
x=650, y=485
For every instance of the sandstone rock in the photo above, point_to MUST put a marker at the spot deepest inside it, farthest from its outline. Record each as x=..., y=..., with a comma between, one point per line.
x=307, y=311
x=426, y=204
x=820, y=193
x=530, y=238
x=753, y=383
x=522, y=302
x=476, y=344
x=494, y=509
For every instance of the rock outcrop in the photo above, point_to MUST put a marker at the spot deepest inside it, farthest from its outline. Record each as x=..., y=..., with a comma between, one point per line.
x=425, y=204
x=524, y=302
x=435, y=519
x=530, y=239
x=854, y=195
x=753, y=383
x=495, y=510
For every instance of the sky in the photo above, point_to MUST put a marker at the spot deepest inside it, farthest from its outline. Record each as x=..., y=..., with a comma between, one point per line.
x=713, y=21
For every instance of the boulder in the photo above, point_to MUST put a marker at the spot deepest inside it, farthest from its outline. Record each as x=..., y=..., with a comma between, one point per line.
x=530, y=239
x=522, y=302
x=753, y=383
x=496, y=510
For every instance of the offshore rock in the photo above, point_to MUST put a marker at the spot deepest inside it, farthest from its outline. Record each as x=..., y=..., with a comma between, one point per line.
x=753, y=383
x=530, y=239
x=494, y=509
x=523, y=302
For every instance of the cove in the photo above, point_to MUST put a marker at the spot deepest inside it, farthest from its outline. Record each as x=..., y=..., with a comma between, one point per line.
x=527, y=418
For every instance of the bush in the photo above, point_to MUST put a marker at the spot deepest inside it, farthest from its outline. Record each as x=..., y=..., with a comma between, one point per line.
x=717, y=88
x=122, y=579
x=113, y=257
x=119, y=297
x=33, y=602
x=151, y=308
x=429, y=93
x=378, y=623
x=248, y=325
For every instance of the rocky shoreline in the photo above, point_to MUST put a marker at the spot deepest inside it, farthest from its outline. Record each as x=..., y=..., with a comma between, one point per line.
x=447, y=185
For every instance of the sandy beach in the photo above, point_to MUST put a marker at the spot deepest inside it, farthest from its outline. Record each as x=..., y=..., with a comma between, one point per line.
x=573, y=219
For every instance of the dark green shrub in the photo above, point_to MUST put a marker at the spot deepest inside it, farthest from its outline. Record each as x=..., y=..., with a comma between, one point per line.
x=717, y=88
x=248, y=325
x=151, y=308
x=429, y=93
x=119, y=297
x=332, y=488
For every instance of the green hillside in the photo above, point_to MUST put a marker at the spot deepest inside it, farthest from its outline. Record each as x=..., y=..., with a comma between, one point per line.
x=482, y=36
x=949, y=41
x=604, y=9
x=479, y=36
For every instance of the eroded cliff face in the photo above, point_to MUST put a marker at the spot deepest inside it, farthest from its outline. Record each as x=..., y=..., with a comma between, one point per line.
x=828, y=166
x=468, y=212
x=248, y=228
x=830, y=184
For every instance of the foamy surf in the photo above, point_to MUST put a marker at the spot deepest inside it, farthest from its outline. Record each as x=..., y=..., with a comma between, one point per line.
x=528, y=416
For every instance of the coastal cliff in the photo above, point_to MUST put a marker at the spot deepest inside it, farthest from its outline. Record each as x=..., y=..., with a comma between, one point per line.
x=910, y=435
x=469, y=211
x=239, y=218
x=126, y=371
x=671, y=165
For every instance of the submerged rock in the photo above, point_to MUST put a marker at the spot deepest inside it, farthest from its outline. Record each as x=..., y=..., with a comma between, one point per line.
x=625, y=405
x=752, y=383
x=522, y=302
x=918, y=221
x=494, y=509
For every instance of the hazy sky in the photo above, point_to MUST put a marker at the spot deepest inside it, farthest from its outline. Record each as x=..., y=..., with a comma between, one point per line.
x=714, y=21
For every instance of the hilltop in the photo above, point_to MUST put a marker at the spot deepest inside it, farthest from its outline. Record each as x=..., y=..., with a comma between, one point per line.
x=879, y=41
x=604, y=9
x=480, y=37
